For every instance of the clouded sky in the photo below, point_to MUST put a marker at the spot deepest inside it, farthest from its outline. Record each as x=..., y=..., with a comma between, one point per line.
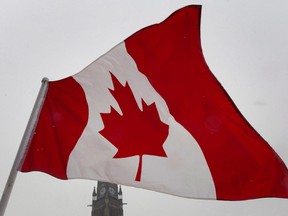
x=245, y=45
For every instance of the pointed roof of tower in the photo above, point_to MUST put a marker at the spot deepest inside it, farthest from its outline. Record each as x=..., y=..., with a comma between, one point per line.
x=120, y=190
x=94, y=192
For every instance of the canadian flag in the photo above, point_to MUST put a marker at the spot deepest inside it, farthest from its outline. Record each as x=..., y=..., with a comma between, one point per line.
x=150, y=114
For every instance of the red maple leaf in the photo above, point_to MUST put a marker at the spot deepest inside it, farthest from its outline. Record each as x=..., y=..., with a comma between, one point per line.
x=135, y=132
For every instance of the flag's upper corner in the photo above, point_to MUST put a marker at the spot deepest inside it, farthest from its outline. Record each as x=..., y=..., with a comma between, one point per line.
x=191, y=6
x=188, y=8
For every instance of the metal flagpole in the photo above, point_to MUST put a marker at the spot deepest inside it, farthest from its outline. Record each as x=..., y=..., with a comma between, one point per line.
x=23, y=145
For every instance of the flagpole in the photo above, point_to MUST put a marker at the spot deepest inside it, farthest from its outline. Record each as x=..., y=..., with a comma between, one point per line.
x=23, y=145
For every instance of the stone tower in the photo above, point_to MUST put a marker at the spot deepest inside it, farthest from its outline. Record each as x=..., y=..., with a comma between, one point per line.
x=107, y=200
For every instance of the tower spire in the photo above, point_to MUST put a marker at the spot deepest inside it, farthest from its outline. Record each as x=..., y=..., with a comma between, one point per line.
x=94, y=194
x=120, y=195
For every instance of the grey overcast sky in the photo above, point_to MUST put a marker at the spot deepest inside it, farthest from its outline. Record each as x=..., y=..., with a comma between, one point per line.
x=245, y=44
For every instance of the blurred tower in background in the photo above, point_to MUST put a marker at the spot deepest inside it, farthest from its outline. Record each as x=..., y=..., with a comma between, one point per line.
x=107, y=200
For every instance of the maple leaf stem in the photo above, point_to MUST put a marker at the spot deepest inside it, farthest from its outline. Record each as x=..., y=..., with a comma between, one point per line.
x=139, y=171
